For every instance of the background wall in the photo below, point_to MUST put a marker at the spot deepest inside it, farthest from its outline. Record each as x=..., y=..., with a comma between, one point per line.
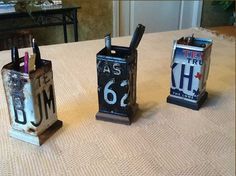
x=95, y=20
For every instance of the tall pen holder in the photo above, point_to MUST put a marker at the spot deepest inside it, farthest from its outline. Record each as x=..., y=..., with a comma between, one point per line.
x=189, y=72
x=31, y=101
x=116, y=74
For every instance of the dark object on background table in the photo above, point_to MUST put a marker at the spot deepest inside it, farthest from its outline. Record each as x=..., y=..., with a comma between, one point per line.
x=41, y=16
x=189, y=72
x=19, y=39
x=117, y=74
x=31, y=100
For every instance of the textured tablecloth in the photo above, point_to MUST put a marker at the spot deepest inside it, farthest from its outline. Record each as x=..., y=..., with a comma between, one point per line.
x=165, y=139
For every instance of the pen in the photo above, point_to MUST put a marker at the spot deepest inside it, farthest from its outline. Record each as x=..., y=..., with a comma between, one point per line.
x=31, y=64
x=108, y=43
x=26, y=62
x=38, y=60
x=15, y=58
x=190, y=40
x=137, y=36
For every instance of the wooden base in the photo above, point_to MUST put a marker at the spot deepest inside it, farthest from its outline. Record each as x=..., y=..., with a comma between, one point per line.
x=126, y=120
x=36, y=140
x=188, y=104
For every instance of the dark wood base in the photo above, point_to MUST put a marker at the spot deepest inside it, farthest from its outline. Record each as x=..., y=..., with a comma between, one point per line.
x=126, y=120
x=50, y=131
x=36, y=140
x=187, y=104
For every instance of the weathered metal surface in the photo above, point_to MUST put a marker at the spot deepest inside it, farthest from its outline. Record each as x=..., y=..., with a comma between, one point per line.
x=116, y=74
x=189, y=72
x=31, y=101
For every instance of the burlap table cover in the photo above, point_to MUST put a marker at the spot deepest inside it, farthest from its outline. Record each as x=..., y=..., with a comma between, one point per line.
x=164, y=139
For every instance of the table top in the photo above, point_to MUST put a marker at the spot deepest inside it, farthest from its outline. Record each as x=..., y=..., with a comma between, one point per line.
x=165, y=139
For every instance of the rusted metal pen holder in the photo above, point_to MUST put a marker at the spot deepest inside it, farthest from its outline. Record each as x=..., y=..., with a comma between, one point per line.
x=31, y=102
x=189, y=72
x=116, y=75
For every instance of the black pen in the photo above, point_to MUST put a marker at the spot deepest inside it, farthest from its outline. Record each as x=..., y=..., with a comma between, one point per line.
x=15, y=58
x=108, y=43
x=137, y=36
x=36, y=51
x=190, y=40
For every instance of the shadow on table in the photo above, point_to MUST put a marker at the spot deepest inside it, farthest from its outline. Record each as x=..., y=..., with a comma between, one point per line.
x=77, y=112
x=146, y=110
x=213, y=98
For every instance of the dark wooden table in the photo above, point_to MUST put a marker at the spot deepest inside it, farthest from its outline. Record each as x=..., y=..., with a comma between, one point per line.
x=43, y=16
x=225, y=30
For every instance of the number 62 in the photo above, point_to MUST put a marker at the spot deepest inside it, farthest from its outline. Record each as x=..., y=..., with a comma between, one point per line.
x=108, y=91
